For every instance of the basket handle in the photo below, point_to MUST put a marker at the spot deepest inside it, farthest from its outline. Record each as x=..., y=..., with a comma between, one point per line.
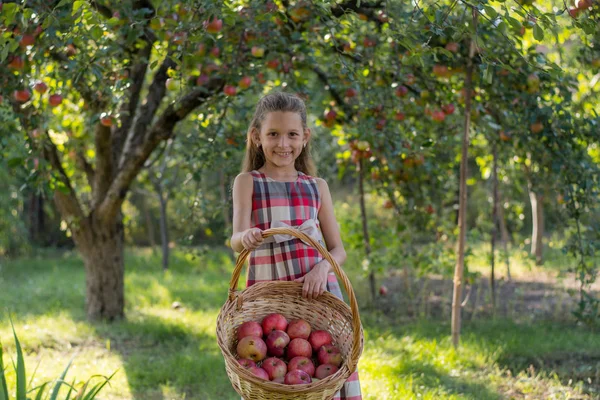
x=356, y=326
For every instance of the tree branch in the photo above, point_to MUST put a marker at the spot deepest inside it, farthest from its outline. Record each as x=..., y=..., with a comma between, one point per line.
x=140, y=58
x=86, y=167
x=65, y=196
x=144, y=117
x=104, y=164
x=161, y=130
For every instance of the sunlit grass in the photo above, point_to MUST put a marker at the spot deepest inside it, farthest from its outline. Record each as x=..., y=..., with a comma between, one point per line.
x=166, y=348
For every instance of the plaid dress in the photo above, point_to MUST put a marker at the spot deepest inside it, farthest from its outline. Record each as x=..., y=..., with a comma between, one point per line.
x=292, y=203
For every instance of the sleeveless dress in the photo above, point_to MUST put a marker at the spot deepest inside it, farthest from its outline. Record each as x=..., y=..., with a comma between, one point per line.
x=292, y=203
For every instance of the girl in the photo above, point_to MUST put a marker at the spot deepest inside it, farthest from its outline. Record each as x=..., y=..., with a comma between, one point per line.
x=277, y=188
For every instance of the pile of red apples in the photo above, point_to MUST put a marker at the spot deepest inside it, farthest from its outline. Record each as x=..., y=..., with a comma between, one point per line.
x=290, y=353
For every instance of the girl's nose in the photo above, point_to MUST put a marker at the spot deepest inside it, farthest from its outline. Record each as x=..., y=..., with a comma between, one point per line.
x=283, y=141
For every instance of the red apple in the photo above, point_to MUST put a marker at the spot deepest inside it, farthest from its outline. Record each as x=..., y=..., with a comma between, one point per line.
x=245, y=82
x=401, y=91
x=261, y=78
x=448, y=109
x=71, y=50
x=504, y=136
x=537, y=127
x=274, y=322
x=274, y=367
x=452, y=47
x=299, y=328
x=329, y=354
x=383, y=290
x=297, y=377
x=388, y=204
x=244, y=362
x=429, y=209
x=399, y=116
x=27, y=40
x=324, y=370
x=229, y=90
x=16, y=63
x=574, y=12
x=276, y=342
x=202, y=80
x=380, y=124
x=440, y=70
x=257, y=51
x=303, y=364
x=438, y=116
x=330, y=115
x=213, y=26
x=410, y=79
x=281, y=380
x=22, y=95
x=584, y=4
x=40, y=87
x=351, y=92
x=299, y=347
x=252, y=348
x=273, y=64
x=249, y=328
x=106, y=121
x=318, y=339
x=55, y=100
x=215, y=52
x=258, y=371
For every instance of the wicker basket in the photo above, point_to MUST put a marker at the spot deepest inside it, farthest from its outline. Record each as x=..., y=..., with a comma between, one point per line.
x=284, y=297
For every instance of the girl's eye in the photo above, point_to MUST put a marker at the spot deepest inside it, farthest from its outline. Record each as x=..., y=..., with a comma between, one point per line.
x=273, y=133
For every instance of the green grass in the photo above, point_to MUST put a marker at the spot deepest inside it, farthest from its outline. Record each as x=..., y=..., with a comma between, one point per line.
x=166, y=353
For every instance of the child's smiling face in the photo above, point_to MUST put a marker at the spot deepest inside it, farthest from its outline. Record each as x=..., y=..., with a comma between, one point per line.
x=282, y=137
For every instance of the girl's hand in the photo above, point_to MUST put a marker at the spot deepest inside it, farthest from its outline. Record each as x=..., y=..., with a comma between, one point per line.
x=252, y=238
x=315, y=281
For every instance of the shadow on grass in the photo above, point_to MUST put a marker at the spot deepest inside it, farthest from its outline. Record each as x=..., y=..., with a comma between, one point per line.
x=571, y=353
x=164, y=360
x=164, y=354
x=430, y=378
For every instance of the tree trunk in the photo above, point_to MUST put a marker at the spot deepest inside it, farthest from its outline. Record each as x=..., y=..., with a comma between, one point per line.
x=102, y=249
x=363, y=214
x=462, y=209
x=537, y=211
x=164, y=230
x=35, y=217
x=504, y=235
x=149, y=222
x=494, y=223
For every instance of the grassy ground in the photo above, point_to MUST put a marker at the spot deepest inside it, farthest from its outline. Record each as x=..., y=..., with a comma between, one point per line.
x=162, y=352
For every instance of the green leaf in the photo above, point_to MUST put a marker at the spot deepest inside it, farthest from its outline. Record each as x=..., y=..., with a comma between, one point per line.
x=41, y=390
x=21, y=376
x=9, y=11
x=63, y=2
x=3, y=386
x=489, y=10
x=59, y=382
x=76, y=6
x=428, y=143
x=538, y=32
x=14, y=162
x=96, y=32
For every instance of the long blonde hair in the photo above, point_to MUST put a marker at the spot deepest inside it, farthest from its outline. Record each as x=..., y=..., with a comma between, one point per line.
x=284, y=102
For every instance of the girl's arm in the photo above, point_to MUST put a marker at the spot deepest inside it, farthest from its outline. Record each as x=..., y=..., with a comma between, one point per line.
x=315, y=282
x=243, y=236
